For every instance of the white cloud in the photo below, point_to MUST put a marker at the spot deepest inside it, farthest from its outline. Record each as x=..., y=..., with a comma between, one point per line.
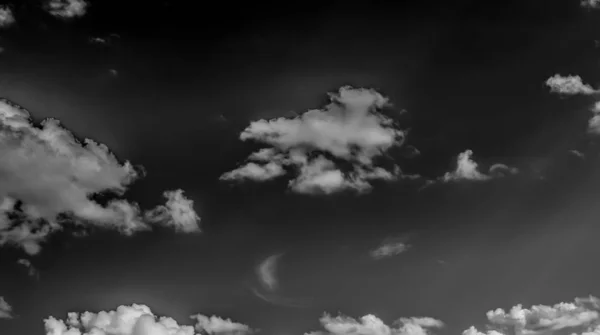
x=67, y=9
x=49, y=175
x=267, y=272
x=468, y=169
x=590, y=3
x=594, y=122
x=569, y=85
x=538, y=319
x=388, y=249
x=178, y=213
x=7, y=17
x=5, y=309
x=372, y=325
x=349, y=130
x=138, y=320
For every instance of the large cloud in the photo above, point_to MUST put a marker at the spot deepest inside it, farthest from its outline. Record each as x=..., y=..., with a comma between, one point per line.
x=5, y=309
x=582, y=315
x=468, y=169
x=569, y=85
x=139, y=320
x=48, y=179
x=372, y=325
x=349, y=131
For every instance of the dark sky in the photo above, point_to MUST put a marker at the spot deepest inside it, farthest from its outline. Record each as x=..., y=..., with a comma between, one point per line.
x=190, y=76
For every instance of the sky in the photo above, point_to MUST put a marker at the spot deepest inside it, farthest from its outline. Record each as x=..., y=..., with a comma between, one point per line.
x=322, y=168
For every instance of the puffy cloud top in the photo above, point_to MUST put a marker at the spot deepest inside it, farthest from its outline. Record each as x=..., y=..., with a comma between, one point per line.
x=372, y=325
x=349, y=129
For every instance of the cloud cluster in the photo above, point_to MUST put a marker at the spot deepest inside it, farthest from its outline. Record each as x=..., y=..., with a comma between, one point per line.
x=372, y=325
x=582, y=314
x=468, y=169
x=67, y=9
x=49, y=177
x=328, y=150
x=5, y=309
x=569, y=85
x=139, y=320
x=7, y=17
x=590, y=3
x=389, y=248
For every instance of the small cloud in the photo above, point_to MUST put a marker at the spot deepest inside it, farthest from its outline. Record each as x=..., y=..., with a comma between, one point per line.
x=371, y=324
x=266, y=272
x=67, y=9
x=98, y=40
x=7, y=17
x=577, y=153
x=6, y=310
x=569, y=85
x=350, y=131
x=178, y=213
x=468, y=169
x=31, y=270
x=590, y=4
x=113, y=72
x=389, y=248
x=139, y=319
x=594, y=122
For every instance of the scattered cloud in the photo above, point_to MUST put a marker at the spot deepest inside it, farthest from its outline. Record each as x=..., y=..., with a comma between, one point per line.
x=7, y=17
x=468, y=169
x=139, y=320
x=67, y=9
x=569, y=85
x=577, y=153
x=539, y=319
x=372, y=325
x=389, y=248
x=590, y=3
x=49, y=179
x=6, y=310
x=327, y=150
x=594, y=122
x=178, y=213
x=113, y=72
x=31, y=270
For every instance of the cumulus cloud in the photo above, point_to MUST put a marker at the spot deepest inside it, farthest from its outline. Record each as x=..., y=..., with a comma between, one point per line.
x=372, y=325
x=389, y=248
x=178, y=213
x=594, y=122
x=138, y=320
x=67, y=9
x=49, y=177
x=5, y=309
x=7, y=18
x=468, y=169
x=580, y=314
x=569, y=85
x=590, y=3
x=325, y=150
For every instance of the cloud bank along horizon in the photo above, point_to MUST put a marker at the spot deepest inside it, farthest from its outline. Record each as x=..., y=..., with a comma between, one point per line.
x=579, y=317
x=49, y=177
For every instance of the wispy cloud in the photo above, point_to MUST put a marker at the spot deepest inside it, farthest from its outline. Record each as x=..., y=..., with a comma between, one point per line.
x=6, y=310
x=389, y=248
x=50, y=175
x=266, y=272
x=7, y=17
x=67, y=9
x=569, y=85
x=351, y=130
x=139, y=319
x=31, y=270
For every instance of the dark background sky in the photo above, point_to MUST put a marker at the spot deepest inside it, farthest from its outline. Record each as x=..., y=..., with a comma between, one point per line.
x=190, y=78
